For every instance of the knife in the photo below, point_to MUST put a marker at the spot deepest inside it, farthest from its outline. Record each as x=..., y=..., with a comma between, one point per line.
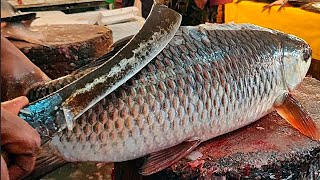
x=58, y=110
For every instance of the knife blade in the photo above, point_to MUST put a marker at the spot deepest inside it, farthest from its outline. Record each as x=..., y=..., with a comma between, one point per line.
x=58, y=110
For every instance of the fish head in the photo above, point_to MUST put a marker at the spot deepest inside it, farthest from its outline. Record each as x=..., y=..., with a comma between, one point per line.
x=296, y=60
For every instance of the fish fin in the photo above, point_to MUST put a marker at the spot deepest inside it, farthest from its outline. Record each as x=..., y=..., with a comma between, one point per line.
x=293, y=112
x=46, y=163
x=160, y=160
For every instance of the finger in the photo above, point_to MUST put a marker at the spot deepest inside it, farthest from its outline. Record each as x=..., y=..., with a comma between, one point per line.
x=23, y=165
x=17, y=136
x=4, y=170
x=3, y=24
x=21, y=148
x=15, y=105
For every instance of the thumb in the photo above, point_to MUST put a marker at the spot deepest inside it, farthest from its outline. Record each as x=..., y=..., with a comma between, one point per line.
x=15, y=105
x=3, y=24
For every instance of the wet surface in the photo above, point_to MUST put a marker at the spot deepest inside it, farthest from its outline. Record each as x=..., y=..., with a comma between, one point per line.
x=82, y=171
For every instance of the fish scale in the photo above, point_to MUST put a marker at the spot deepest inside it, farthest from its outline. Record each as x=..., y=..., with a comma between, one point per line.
x=209, y=80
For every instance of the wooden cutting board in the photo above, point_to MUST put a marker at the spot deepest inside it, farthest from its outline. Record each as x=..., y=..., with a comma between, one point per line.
x=70, y=46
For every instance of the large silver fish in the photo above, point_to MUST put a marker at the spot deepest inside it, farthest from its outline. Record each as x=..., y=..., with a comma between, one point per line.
x=208, y=81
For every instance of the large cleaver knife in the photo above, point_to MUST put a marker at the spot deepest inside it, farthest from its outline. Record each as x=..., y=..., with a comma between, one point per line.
x=58, y=110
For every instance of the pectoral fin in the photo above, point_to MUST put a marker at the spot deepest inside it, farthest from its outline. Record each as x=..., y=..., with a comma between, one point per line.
x=162, y=159
x=292, y=111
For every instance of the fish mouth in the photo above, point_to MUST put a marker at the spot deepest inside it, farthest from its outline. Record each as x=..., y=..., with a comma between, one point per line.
x=297, y=60
x=305, y=67
x=302, y=71
x=307, y=57
x=307, y=53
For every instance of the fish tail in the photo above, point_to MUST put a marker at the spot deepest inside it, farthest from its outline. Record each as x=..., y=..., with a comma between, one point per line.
x=292, y=111
x=46, y=163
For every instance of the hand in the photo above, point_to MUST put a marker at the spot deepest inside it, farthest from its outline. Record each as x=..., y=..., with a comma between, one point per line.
x=18, y=139
x=3, y=24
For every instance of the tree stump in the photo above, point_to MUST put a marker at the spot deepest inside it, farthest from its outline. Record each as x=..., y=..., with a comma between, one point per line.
x=69, y=47
x=267, y=149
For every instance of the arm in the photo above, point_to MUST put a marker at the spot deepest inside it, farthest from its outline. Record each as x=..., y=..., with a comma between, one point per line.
x=18, y=73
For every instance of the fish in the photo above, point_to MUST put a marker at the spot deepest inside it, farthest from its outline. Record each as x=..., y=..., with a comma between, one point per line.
x=308, y=5
x=312, y=7
x=300, y=3
x=210, y=80
x=16, y=25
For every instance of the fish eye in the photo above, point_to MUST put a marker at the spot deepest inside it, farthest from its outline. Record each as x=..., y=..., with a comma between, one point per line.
x=307, y=53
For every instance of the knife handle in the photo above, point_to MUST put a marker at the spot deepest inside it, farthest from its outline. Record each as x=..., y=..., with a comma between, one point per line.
x=45, y=116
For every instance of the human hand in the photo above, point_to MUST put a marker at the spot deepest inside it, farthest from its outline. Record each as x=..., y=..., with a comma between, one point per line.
x=18, y=139
x=3, y=24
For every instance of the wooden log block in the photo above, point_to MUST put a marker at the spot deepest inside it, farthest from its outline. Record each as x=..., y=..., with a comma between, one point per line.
x=267, y=149
x=70, y=46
